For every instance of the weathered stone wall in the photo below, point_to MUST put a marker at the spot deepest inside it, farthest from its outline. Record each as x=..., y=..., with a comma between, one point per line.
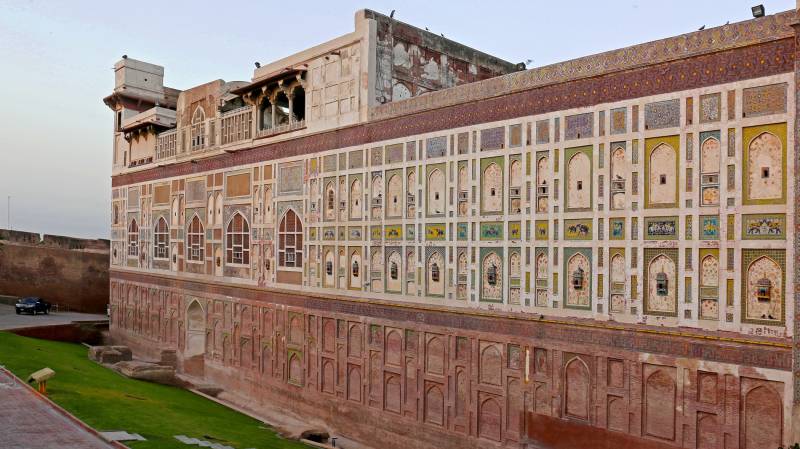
x=411, y=61
x=70, y=272
x=427, y=377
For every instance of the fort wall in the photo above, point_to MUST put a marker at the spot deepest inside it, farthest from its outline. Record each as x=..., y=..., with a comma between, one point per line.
x=67, y=271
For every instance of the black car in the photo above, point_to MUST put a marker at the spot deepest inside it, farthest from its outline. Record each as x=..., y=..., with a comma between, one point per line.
x=32, y=305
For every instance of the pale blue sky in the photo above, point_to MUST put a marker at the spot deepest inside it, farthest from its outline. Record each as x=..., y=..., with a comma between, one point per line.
x=56, y=63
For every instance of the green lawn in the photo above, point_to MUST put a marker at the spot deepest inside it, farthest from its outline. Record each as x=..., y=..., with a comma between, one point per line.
x=107, y=401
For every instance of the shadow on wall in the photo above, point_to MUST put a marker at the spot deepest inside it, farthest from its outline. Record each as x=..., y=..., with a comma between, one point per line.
x=67, y=271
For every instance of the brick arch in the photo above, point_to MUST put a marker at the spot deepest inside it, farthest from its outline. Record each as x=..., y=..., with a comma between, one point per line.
x=490, y=419
x=394, y=348
x=434, y=356
x=266, y=359
x=659, y=405
x=392, y=393
x=577, y=387
x=295, y=369
x=491, y=365
x=328, y=376
x=354, y=341
x=707, y=432
x=295, y=329
x=434, y=405
x=354, y=383
x=762, y=421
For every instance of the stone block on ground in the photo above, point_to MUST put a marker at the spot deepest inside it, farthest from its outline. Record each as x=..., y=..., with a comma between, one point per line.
x=126, y=352
x=169, y=357
x=110, y=354
x=150, y=372
x=121, y=435
x=110, y=357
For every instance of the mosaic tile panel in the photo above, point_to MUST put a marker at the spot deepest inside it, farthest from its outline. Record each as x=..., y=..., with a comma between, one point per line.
x=461, y=231
x=435, y=231
x=329, y=163
x=542, y=131
x=661, y=228
x=493, y=138
x=619, y=120
x=764, y=227
x=601, y=120
x=463, y=143
x=514, y=230
x=764, y=100
x=731, y=227
x=514, y=136
x=731, y=105
x=689, y=110
x=541, y=230
x=731, y=142
x=290, y=178
x=584, y=299
x=687, y=227
x=579, y=229
x=616, y=228
x=393, y=232
x=376, y=157
x=709, y=227
x=578, y=126
x=689, y=146
x=492, y=230
x=356, y=159
x=557, y=129
x=771, y=314
x=667, y=308
x=195, y=192
x=662, y=114
x=394, y=153
x=436, y=147
x=710, y=107
x=411, y=151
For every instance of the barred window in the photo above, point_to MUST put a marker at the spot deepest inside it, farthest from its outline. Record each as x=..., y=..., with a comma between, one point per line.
x=290, y=241
x=161, y=239
x=133, y=238
x=195, y=240
x=237, y=239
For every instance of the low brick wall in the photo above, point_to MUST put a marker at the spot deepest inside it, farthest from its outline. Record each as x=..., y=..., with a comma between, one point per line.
x=89, y=333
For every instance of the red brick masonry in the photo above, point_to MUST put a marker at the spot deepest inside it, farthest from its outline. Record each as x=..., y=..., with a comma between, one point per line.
x=419, y=376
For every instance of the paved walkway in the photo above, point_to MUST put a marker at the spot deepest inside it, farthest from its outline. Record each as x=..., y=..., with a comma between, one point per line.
x=10, y=320
x=28, y=421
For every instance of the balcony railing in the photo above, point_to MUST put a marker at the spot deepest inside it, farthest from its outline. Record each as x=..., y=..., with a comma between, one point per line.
x=236, y=125
x=166, y=144
x=291, y=126
x=139, y=162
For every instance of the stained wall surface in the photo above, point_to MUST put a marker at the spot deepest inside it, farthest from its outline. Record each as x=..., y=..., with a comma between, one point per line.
x=606, y=242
